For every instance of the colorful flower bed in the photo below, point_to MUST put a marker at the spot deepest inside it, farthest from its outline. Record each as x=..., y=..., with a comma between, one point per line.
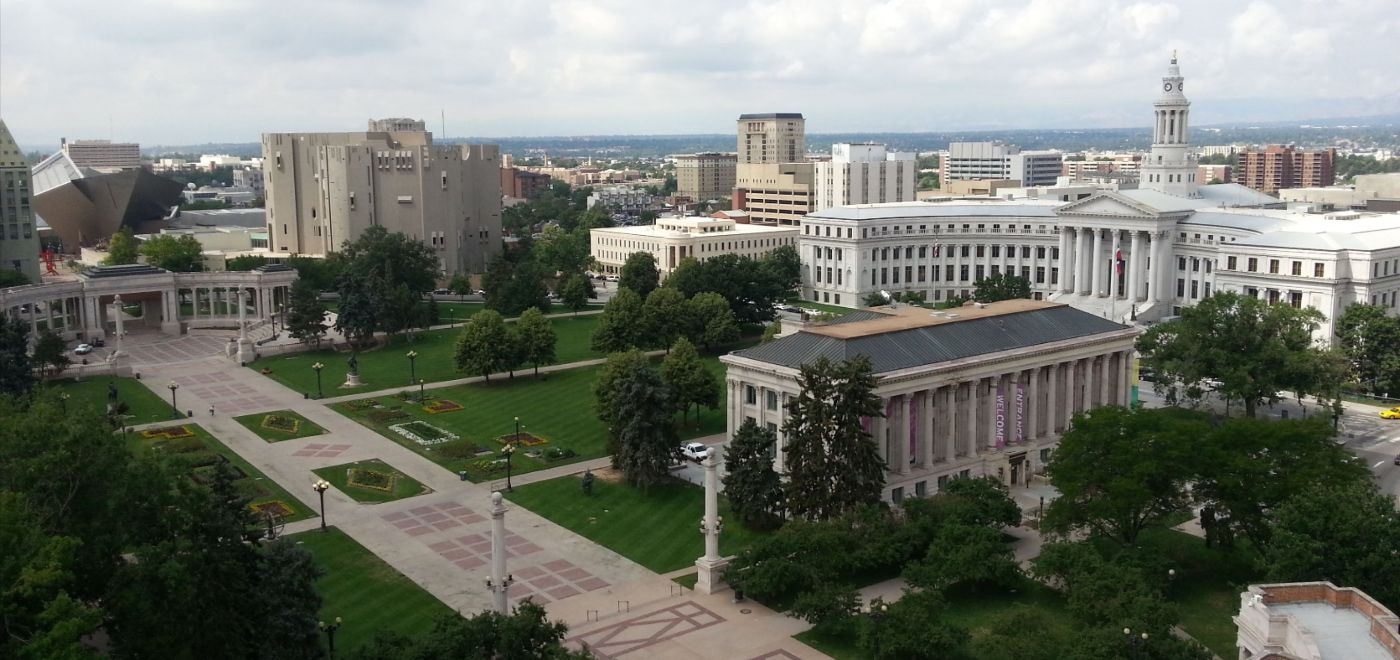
x=488, y=466
x=167, y=433
x=442, y=406
x=523, y=439
x=371, y=479
x=280, y=423
x=424, y=433
x=277, y=508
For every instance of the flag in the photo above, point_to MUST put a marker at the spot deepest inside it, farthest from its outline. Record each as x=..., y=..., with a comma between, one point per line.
x=1118, y=260
x=935, y=250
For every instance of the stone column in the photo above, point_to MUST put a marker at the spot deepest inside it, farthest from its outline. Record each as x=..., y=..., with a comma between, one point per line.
x=1127, y=394
x=1066, y=261
x=1073, y=381
x=1161, y=260
x=1134, y=260
x=1084, y=261
x=899, y=434
x=1033, y=406
x=245, y=347
x=926, y=438
x=974, y=426
x=499, y=584
x=711, y=566
x=1091, y=381
x=121, y=326
x=1096, y=263
x=1052, y=400
x=948, y=409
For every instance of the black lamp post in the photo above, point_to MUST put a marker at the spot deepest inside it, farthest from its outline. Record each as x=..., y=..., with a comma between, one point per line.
x=877, y=616
x=412, y=373
x=330, y=629
x=422, y=396
x=509, y=451
x=321, y=487
x=174, y=410
x=282, y=318
x=517, y=430
x=320, y=394
x=63, y=399
x=1135, y=642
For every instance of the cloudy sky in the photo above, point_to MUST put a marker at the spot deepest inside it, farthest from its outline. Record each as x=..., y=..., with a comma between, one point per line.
x=187, y=71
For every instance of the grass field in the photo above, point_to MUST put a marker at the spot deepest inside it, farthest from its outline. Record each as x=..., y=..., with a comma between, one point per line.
x=558, y=407
x=200, y=450
x=388, y=366
x=272, y=426
x=143, y=405
x=375, y=481
x=1207, y=591
x=658, y=529
x=366, y=593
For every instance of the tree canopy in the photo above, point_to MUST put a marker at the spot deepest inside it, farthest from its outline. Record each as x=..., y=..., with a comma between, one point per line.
x=524, y=634
x=536, y=337
x=640, y=274
x=1000, y=286
x=484, y=345
x=644, y=431
x=390, y=259
x=691, y=383
x=752, y=486
x=1371, y=341
x=751, y=286
x=622, y=325
x=178, y=254
x=832, y=462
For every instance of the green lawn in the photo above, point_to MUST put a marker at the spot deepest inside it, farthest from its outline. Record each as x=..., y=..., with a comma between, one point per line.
x=143, y=405
x=366, y=593
x=557, y=407
x=388, y=366
x=1207, y=589
x=658, y=529
x=279, y=425
x=375, y=481
x=200, y=450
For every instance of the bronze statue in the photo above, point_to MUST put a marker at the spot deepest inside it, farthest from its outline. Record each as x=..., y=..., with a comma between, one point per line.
x=354, y=365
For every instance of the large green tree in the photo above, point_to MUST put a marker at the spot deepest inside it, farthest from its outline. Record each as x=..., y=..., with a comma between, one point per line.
x=537, y=338
x=1252, y=348
x=640, y=274
x=622, y=324
x=50, y=352
x=16, y=369
x=179, y=254
x=564, y=251
x=751, y=286
x=245, y=262
x=644, y=429
x=575, y=292
x=1122, y=470
x=1371, y=341
x=911, y=628
x=121, y=248
x=391, y=259
x=356, y=312
x=515, y=285
x=485, y=346
x=665, y=317
x=1348, y=534
x=711, y=320
x=752, y=486
x=524, y=634
x=832, y=462
x=10, y=277
x=306, y=315
x=1000, y=286
x=691, y=383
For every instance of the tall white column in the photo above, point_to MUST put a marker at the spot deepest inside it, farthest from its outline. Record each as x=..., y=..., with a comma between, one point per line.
x=711, y=566
x=1115, y=278
x=1053, y=408
x=1126, y=396
x=1033, y=406
x=499, y=584
x=926, y=440
x=1073, y=383
x=1162, y=263
x=974, y=426
x=899, y=434
x=1134, y=263
x=1066, y=259
x=1105, y=380
x=1084, y=261
x=948, y=412
x=1097, y=263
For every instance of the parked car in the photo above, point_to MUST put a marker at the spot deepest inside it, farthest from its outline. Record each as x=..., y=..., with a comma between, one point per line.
x=442, y=292
x=612, y=278
x=99, y=342
x=695, y=451
x=83, y=349
x=1393, y=413
x=1397, y=459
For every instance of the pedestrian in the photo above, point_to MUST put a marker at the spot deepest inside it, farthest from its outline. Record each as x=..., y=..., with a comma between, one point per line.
x=211, y=410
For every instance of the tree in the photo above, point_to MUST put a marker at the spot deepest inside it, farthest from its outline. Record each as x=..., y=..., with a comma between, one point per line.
x=831, y=459
x=911, y=628
x=177, y=254
x=16, y=369
x=1370, y=339
x=321, y=274
x=1348, y=534
x=1005, y=638
x=9, y=278
x=390, y=258
x=771, y=332
x=575, y=292
x=1121, y=470
x=712, y=319
x=50, y=352
x=396, y=310
x=514, y=286
x=644, y=430
x=749, y=285
x=1253, y=348
x=622, y=324
x=461, y=285
x=1000, y=286
x=639, y=274
x=614, y=370
x=355, y=316
x=690, y=382
x=830, y=608
x=564, y=251
x=753, y=487
x=1099, y=592
x=484, y=345
x=289, y=602
x=537, y=338
x=524, y=634
x=875, y=299
x=664, y=317
x=306, y=316
x=964, y=553
x=784, y=266
x=121, y=248
x=244, y=263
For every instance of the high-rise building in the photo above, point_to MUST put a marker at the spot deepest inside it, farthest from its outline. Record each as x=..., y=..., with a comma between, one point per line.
x=522, y=184
x=1276, y=167
x=19, y=238
x=864, y=173
x=103, y=154
x=397, y=125
x=326, y=188
x=1171, y=166
x=772, y=137
x=705, y=176
x=967, y=161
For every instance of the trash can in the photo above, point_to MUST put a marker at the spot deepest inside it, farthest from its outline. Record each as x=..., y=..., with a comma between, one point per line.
x=306, y=395
x=462, y=474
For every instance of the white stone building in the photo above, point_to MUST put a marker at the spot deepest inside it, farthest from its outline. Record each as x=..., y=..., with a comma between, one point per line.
x=980, y=390
x=672, y=239
x=864, y=173
x=993, y=160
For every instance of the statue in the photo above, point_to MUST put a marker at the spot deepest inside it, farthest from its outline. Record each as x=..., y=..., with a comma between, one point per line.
x=587, y=482
x=354, y=365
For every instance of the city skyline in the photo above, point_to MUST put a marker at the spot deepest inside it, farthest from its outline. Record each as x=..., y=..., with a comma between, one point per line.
x=210, y=72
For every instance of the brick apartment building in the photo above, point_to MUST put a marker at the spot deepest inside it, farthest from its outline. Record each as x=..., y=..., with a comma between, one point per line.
x=1276, y=167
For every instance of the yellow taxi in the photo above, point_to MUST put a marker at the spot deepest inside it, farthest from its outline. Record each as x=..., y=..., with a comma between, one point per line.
x=1393, y=413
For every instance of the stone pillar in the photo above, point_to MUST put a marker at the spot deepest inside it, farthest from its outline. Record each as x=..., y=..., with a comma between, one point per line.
x=1066, y=261
x=1052, y=401
x=1096, y=263
x=1084, y=261
x=1105, y=377
x=499, y=584
x=1072, y=383
x=926, y=439
x=973, y=426
x=1114, y=247
x=1161, y=261
x=1090, y=382
x=1127, y=393
x=245, y=347
x=711, y=566
x=121, y=326
x=948, y=408
x=1033, y=407
x=1134, y=265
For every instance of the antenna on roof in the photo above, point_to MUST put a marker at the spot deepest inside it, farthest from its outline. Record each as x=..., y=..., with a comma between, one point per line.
x=443, y=115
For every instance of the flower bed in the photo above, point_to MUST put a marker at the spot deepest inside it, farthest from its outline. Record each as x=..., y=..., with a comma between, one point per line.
x=523, y=439
x=371, y=479
x=424, y=433
x=457, y=449
x=488, y=466
x=559, y=453
x=386, y=415
x=442, y=406
x=362, y=404
x=181, y=446
x=280, y=423
x=277, y=508
x=167, y=433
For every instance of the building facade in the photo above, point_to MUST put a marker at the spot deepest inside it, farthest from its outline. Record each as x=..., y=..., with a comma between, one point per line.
x=772, y=137
x=521, y=184
x=672, y=239
x=775, y=193
x=1314, y=621
x=19, y=232
x=864, y=173
x=706, y=176
x=103, y=154
x=1276, y=167
x=975, y=391
x=994, y=160
x=397, y=125
x=326, y=188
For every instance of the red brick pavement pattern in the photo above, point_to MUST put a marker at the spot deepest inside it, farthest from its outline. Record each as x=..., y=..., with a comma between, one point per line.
x=321, y=450
x=220, y=390
x=648, y=630
x=431, y=518
x=554, y=580
x=772, y=655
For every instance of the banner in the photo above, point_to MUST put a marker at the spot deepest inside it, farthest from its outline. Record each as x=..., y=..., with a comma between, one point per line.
x=1001, y=417
x=1020, y=435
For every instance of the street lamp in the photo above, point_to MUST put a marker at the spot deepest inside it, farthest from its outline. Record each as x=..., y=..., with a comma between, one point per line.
x=174, y=410
x=63, y=399
x=320, y=394
x=412, y=374
x=517, y=430
x=509, y=451
x=1136, y=642
x=321, y=487
x=282, y=318
x=330, y=635
x=421, y=394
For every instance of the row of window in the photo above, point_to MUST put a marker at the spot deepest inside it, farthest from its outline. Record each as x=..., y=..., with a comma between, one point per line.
x=950, y=273
x=1296, y=268
x=824, y=231
x=1385, y=268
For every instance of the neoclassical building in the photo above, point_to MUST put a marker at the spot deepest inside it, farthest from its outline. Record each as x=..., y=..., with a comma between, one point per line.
x=978, y=390
x=1126, y=255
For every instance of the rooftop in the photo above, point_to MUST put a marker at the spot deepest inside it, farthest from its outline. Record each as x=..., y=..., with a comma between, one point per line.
x=771, y=115
x=958, y=208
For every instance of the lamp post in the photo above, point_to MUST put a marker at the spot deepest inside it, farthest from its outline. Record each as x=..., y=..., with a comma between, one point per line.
x=329, y=629
x=1135, y=642
x=321, y=487
x=320, y=394
x=63, y=399
x=174, y=410
x=412, y=373
x=282, y=318
x=877, y=616
x=422, y=396
x=516, y=437
x=509, y=451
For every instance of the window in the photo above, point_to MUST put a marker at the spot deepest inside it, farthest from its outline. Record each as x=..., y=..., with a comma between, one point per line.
x=909, y=273
x=1317, y=270
x=920, y=489
x=966, y=250
x=981, y=271
x=1229, y=263
x=1252, y=265
x=942, y=482
x=1273, y=266
x=1195, y=265
x=750, y=395
x=1195, y=288
x=771, y=400
x=1040, y=253
x=962, y=274
x=1039, y=274
x=1297, y=268
x=1181, y=263
x=1026, y=252
x=897, y=495
x=1180, y=288
x=996, y=250
x=981, y=250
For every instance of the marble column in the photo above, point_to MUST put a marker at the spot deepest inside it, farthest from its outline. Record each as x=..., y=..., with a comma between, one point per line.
x=1126, y=396
x=1053, y=407
x=1105, y=377
x=926, y=440
x=711, y=565
x=1066, y=259
x=500, y=581
x=1073, y=379
x=1162, y=267
x=1033, y=407
x=1084, y=261
x=948, y=409
x=974, y=426
x=1114, y=247
x=1134, y=264
x=1091, y=381
x=899, y=434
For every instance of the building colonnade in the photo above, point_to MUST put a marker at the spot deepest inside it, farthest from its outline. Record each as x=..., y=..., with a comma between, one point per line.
x=1090, y=263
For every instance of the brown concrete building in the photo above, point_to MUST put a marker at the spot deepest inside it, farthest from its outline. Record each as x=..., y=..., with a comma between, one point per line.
x=1215, y=173
x=703, y=177
x=772, y=137
x=1276, y=167
x=522, y=184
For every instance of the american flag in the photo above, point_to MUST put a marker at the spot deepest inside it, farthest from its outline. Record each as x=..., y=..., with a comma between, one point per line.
x=1118, y=260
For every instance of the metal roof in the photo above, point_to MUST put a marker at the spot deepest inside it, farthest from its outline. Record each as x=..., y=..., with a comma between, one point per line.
x=915, y=347
x=771, y=115
x=126, y=270
x=895, y=210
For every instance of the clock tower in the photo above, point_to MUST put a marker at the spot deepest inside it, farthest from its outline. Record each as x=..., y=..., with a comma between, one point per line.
x=1170, y=168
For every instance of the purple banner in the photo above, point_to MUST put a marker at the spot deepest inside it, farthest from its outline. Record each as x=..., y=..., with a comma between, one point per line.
x=1020, y=413
x=1001, y=417
x=913, y=428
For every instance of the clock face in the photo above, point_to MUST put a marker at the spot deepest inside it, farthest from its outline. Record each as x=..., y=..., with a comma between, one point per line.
x=1167, y=87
